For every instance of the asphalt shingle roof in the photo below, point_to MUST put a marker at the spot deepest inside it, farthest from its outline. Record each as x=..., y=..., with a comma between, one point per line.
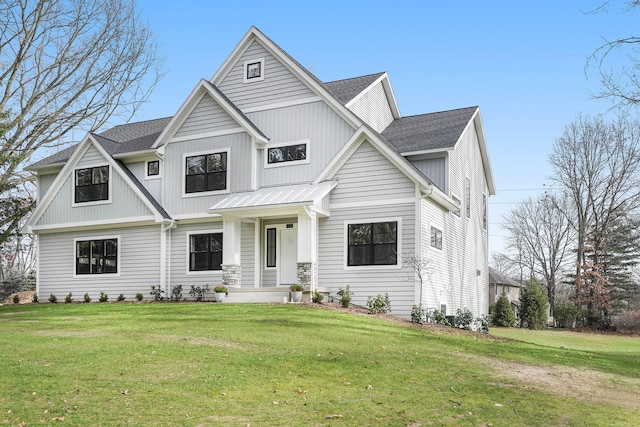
x=428, y=131
x=347, y=89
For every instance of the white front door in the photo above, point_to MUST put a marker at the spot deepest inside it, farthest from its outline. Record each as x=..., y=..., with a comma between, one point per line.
x=288, y=256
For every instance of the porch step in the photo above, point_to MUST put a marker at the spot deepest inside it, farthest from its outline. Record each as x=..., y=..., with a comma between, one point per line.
x=264, y=295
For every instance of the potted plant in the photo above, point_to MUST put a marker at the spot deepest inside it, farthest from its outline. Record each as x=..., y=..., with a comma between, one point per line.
x=221, y=292
x=296, y=292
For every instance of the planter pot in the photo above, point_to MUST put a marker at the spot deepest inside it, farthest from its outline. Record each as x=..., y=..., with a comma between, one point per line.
x=296, y=296
x=220, y=296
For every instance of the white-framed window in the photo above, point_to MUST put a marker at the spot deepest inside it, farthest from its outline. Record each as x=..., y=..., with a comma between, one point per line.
x=373, y=243
x=92, y=185
x=286, y=154
x=485, y=213
x=467, y=197
x=458, y=202
x=253, y=70
x=152, y=169
x=204, y=251
x=436, y=238
x=98, y=255
x=206, y=173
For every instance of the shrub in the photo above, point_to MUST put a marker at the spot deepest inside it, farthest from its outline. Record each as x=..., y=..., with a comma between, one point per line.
x=463, y=319
x=176, y=293
x=440, y=318
x=103, y=297
x=68, y=298
x=221, y=289
x=565, y=314
x=317, y=297
x=627, y=321
x=533, y=306
x=502, y=314
x=120, y=297
x=482, y=324
x=296, y=287
x=53, y=299
x=379, y=304
x=345, y=296
x=418, y=314
x=87, y=298
x=198, y=292
x=156, y=293
x=16, y=299
x=139, y=296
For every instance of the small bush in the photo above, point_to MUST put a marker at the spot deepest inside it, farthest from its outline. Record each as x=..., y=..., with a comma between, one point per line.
x=87, y=298
x=345, y=296
x=440, y=318
x=379, y=304
x=220, y=289
x=68, y=298
x=627, y=322
x=197, y=292
x=139, y=296
x=565, y=313
x=418, y=314
x=317, y=297
x=176, y=293
x=502, y=314
x=296, y=287
x=482, y=324
x=463, y=319
x=103, y=297
x=16, y=299
x=121, y=297
x=156, y=293
x=53, y=299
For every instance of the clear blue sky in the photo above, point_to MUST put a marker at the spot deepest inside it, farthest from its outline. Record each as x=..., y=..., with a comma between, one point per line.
x=522, y=62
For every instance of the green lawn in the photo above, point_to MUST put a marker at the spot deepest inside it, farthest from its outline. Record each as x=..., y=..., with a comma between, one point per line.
x=282, y=365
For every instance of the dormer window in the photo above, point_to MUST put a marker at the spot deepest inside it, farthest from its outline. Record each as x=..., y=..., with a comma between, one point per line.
x=91, y=184
x=253, y=70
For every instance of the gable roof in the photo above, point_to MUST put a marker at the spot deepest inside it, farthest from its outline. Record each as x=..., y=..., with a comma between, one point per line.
x=347, y=89
x=497, y=277
x=425, y=132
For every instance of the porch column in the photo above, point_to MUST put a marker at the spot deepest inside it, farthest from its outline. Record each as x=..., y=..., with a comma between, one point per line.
x=307, y=248
x=231, y=268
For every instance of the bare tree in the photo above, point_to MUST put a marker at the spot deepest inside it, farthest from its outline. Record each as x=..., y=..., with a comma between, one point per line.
x=597, y=166
x=65, y=65
x=621, y=85
x=541, y=235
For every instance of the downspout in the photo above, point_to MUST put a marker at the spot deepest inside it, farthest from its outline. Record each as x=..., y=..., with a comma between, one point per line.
x=165, y=254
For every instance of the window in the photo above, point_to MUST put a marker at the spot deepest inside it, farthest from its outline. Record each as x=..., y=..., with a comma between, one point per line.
x=97, y=256
x=271, y=247
x=287, y=153
x=207, y=172
x=457, y=202
x=484, y=211
x=436, y=238
x=153, y=168
x=205, y=252
x=92, y=184
x=372, y=243
x=467, y=198
x=253, y=70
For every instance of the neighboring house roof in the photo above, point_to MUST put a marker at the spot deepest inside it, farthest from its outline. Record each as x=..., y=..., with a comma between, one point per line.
x=433, y=131
x=496, y=277
x=347, y=89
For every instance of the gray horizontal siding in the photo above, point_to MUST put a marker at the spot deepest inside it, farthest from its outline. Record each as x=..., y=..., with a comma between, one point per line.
x=369, y=176
x=332, y=274
x=207, y=116
x=279, y=84
x=139, y=264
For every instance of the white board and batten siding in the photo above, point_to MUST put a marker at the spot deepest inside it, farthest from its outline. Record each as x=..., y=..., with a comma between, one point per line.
x=207, y=116
x=373, y=107
x=44, y=183
x=138, y=264
x=153, y=185
x=279, y=84
x=124, y=204
x=315, y=124
x=369, y=189
x=436, y=169
x=248, y=254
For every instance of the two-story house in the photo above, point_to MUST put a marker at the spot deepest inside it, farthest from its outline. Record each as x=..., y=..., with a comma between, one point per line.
x=266, y=176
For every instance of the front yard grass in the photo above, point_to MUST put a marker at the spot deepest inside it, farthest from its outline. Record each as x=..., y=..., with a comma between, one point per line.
x=274, y=365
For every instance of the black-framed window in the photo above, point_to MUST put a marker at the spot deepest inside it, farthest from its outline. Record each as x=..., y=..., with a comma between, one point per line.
x=485, y=212
x=91, y=184
x=288, y=153
x=206, y=172
x=97, y=256
x=467, y=197
x=436, y=238
x=254, y=70
x=205, y=252
x=372, y=243
x=271, y=247
x=153, y=168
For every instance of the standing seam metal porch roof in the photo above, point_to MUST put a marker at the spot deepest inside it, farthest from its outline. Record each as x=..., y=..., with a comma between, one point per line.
x=275, y=197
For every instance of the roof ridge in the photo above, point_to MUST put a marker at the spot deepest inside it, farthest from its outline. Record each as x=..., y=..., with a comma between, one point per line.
x=439, y=112
x=356, y=77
